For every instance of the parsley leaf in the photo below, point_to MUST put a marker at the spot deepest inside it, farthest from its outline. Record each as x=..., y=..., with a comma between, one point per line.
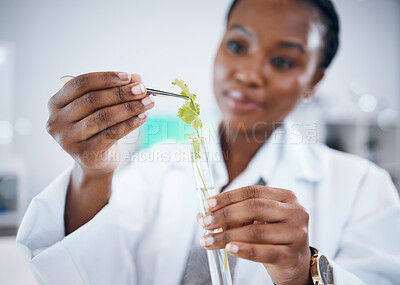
x=196, y=146
x=187, y=114
x=190, y=111
x=185, y=89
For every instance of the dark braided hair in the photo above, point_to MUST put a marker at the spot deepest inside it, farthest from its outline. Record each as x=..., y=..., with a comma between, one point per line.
x=329, y=19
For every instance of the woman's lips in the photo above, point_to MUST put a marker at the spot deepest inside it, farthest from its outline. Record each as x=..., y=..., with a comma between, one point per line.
x=237, y=101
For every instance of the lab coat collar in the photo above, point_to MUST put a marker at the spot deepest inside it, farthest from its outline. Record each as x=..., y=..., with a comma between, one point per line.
x=300, y=155
x=286, y=148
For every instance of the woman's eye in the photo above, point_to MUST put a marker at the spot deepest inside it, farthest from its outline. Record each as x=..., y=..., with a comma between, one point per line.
x=282, y=63
x=236, y=47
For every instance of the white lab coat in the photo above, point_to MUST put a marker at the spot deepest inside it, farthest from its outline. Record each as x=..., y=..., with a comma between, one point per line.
x=143, y=235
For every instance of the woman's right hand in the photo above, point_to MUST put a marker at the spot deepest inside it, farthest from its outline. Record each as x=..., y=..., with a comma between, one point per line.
x=91, y=112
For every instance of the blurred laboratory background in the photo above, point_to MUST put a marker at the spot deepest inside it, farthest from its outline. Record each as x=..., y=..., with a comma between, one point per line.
x=356, y=108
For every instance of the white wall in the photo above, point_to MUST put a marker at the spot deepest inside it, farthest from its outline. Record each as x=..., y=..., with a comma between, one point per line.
x=158, y=39
x=161, y=40
x=369, y=54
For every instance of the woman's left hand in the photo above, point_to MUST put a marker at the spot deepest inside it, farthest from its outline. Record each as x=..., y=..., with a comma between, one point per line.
x=261, y=224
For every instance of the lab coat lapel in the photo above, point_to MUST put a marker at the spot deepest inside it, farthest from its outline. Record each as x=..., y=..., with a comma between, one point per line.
x=178, y=211
x=332, y=211
x=302, y=169
x=284, y=161
x=279, y=164
x=249, y=272
x=294, y=168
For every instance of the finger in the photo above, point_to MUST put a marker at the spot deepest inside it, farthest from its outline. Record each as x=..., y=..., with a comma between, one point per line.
x=105, y=139
x=265, y=210
x=234, y=226
x=199, y=215
x=66, y=78
x=136, y=78
x=96, y=100
x=264, y=253
x=255, y=233
x=250, y=192
x=84, y=83
x=109, y=116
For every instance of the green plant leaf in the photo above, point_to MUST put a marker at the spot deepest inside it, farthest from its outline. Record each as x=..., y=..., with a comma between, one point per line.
x=196, y=148
x=185, y=88
x=190, y=111
x=197, y=124
x=186, y=113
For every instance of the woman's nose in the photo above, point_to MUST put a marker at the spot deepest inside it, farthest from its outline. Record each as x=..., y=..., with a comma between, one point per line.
x=250, y=72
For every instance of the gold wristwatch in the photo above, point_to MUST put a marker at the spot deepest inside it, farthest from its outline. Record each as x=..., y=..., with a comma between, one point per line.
x=321, y=270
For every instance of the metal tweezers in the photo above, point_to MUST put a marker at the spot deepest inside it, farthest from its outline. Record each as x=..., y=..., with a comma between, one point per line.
x=156, y=92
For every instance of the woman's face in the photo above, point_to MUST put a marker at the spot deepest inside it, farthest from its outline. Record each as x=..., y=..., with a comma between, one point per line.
x=267, y=61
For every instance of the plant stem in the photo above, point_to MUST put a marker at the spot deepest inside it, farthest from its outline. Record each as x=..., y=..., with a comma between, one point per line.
x=202, y=179
x=225, y=260
x=208, y=195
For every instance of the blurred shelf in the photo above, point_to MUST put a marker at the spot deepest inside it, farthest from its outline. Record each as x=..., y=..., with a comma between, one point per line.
x=13, y=197
x=364, y=134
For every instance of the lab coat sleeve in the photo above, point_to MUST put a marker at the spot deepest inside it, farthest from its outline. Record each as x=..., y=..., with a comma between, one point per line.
x=99, y=252
x=369, y=251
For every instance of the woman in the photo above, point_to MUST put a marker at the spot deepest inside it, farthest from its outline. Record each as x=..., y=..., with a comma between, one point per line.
x=90, y=227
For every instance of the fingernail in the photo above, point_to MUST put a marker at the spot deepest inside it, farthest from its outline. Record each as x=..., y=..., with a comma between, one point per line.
x=124, y=76
x=206, y=221
x=205, y=241
x=233, y=248
x=147, y=100
x=210, y=203
x=138, y=89
x=142, y=115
